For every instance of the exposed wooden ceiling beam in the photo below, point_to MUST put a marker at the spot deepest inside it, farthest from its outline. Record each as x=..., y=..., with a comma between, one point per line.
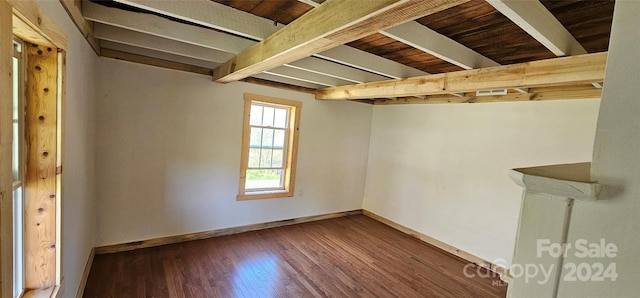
x=336, y=70
x=302, y=75
x=175, y=62
x=366, y=61
x=158, y=55
x=274, y=78
x=146, y=41
x=158, y=26
x=542, y=25
x=141, y=44
x=372, y=63
x=332, y=23
x=263, y=82
x=369, y=62
x=558, y=71
x=152, y=42
x=436, y=44
x=536, y=20
x=257, y=28
x=126, y=56
x=592, y=93
x=178, y=62
x=211, y=14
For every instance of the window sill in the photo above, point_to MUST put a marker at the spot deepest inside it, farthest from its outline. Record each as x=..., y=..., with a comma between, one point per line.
x=258, y=195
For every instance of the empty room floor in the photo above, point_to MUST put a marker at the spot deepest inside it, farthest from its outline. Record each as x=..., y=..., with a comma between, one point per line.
x=353, y=256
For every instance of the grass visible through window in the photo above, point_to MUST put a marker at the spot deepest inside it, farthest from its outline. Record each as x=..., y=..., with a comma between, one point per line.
x=257, y=179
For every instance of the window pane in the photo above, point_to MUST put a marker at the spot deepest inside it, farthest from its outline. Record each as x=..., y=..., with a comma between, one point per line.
x=267, y=116
x=16, y=125
x=256, y=137
x=254, y=157
x=278, y=139
x=276, y=160
x=15, y=161
x=257, y=179
x=267, y=137
x=16, y=85
x=265, y=158
x=255, y=115
x=18, y=247
x=280, y=120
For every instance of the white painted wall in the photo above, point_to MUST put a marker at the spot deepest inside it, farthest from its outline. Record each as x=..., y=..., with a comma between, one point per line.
x=442, y=170
x=79, y=221
x=616, y=166
x=169, y=154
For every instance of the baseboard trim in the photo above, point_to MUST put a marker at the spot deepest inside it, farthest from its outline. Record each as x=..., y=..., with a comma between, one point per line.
x=85, y=273
x=439, y=244
x=261, y=226
x=217, y=233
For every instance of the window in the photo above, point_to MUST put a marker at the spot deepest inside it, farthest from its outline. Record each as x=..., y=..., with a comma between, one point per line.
x=18, y=166
x=269, y=147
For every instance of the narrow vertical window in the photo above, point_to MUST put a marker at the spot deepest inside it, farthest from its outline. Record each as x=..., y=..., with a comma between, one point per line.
x=269, y=147
x=17, y=163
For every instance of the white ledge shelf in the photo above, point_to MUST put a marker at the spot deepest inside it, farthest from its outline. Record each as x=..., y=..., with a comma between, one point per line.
x=566, y=180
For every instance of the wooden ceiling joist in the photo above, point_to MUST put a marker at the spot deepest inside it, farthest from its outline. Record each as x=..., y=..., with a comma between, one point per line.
x=436, y=44
x=284, y=80
x=534, y=95
x=551, y=72
x=211, y=14
x=179, y=49
x=310, y=77
x=330, y=24
x=369, y=62
x=536, y=20
x=224, y=18
x=153, y=32
x=161, y=27
x=169, y=64
x=335, y=70
x=152, y=42
x=158, y=54
x=279, y=85
x=148, y=34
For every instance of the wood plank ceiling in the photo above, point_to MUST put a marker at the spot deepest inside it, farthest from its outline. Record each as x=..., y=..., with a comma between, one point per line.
x=473, y=34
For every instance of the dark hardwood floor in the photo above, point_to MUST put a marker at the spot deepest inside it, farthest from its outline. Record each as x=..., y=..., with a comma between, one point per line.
x=352, y=256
